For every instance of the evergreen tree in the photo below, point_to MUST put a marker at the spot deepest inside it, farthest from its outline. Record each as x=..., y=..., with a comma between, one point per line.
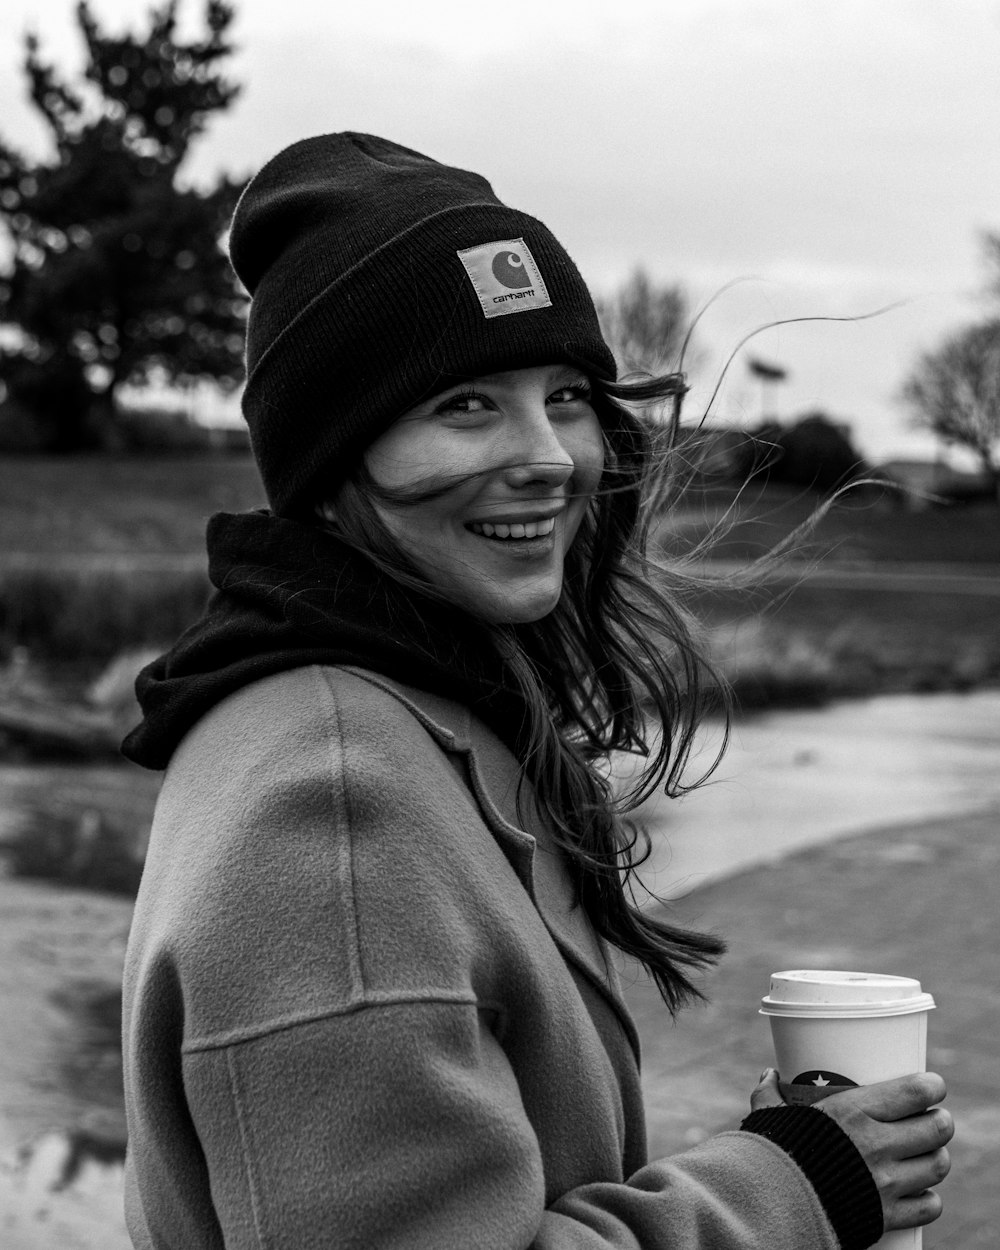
x=117, y=274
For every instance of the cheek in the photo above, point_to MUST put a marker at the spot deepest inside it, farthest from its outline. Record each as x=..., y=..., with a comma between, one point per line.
x=419, y=531
x=391, y=462
x=588, y=457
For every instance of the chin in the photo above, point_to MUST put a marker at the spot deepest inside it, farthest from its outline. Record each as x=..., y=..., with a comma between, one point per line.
x=517, y=611
x=502, y=604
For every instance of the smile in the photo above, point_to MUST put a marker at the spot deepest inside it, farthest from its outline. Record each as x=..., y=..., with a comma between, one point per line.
x=526, y=529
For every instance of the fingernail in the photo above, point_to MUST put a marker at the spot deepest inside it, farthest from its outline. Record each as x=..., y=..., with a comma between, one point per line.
x=764, y=1075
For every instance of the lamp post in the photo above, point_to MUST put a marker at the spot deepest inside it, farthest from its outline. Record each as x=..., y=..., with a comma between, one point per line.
x=769, y=375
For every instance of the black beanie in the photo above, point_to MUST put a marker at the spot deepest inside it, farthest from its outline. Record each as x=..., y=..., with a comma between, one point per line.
x=379, y=278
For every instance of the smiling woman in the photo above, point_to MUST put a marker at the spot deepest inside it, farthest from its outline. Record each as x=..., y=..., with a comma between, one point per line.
x=370, y=998
x=524, y=454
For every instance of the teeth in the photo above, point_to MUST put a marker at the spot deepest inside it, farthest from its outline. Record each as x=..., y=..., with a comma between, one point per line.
x=527, y=529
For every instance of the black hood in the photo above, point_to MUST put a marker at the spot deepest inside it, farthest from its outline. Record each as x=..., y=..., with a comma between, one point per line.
x=289, y=594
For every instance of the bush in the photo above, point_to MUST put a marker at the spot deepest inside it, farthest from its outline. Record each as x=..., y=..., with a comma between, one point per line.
x=96, y=609
x=86, y=849
x=768, y=669
x=168, y=431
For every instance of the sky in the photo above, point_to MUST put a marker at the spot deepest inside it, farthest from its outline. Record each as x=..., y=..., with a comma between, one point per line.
x=816, y=159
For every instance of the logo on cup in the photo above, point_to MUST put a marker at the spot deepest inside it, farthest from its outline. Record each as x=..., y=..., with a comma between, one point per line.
x=505, y=277
x=809, y=1087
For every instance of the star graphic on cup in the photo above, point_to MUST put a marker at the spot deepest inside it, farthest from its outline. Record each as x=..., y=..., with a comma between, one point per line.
x=820, y=1080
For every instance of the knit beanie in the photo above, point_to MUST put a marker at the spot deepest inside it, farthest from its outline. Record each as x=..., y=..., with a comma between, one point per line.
x=380, y=277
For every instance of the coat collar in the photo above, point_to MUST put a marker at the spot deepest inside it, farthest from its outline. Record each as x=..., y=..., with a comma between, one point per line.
x=495, y=777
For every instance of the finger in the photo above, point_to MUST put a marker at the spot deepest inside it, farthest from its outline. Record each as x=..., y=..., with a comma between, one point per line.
x=913, y=1211
x=900, y=1098
x=766, y=1093
x=920, y=1134
x=906, y=1178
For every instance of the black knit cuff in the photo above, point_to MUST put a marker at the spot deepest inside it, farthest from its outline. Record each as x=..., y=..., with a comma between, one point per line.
x=833, y=1165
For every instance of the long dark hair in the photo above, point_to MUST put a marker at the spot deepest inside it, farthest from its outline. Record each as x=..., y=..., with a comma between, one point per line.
x=615, y=667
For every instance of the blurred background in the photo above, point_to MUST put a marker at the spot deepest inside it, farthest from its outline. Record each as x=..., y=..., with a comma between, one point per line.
x=796, y=204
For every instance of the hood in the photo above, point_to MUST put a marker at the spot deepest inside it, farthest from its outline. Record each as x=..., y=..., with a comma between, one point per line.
x=289, y=594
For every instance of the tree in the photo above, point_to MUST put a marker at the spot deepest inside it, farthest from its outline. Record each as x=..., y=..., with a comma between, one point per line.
x=645, y=324
x=991, y=244
x=117, y=274
x=955, y=392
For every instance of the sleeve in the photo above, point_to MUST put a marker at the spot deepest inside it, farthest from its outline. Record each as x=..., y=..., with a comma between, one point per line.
x=401, y=1125
x=834, y=1166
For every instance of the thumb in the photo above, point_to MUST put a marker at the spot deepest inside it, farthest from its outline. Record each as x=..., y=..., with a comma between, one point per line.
x=766, y=1093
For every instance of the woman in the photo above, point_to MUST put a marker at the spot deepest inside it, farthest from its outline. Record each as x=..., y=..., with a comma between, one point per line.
x=369, y=998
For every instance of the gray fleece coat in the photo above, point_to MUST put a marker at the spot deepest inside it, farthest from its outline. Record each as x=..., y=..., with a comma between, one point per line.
x=362, y=1013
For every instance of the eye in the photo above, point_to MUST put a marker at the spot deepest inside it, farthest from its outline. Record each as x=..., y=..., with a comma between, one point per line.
x=573, y=392
x=469, y=402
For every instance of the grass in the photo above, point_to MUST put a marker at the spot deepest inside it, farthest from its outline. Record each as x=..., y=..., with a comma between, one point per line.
x=79, y=824
x=92, y=614
x=120, y=504
x=146, y=505
x=860, y=527
x=813, y=644
x=87, y=849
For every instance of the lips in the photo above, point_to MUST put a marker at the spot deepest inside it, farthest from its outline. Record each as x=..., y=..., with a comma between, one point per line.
x=514, y=530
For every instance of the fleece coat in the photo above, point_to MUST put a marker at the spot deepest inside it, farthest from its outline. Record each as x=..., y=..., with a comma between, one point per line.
x=362, y=1011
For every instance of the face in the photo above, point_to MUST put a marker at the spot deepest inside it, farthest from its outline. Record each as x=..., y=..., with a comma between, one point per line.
x=525, y=450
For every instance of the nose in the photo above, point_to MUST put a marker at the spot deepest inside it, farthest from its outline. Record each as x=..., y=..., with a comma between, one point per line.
x=540, y=458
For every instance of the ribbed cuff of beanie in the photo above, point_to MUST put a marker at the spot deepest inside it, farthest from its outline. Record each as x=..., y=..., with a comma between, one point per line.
x=832, y=1164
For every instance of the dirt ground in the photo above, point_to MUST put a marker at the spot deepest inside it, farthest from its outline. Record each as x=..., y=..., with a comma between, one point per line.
x=61, y=1124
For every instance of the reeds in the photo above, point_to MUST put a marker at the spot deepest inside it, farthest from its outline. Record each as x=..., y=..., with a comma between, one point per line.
x=89, y=610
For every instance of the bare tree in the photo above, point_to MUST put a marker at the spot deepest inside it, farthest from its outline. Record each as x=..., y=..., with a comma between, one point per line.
x=955, y=392
x=991, y=244
x=645, y=322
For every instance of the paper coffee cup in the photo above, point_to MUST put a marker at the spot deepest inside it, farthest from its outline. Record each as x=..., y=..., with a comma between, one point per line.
x=836, y=1030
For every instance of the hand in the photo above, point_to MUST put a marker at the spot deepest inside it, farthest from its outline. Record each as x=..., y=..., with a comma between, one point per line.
x=898, y=1135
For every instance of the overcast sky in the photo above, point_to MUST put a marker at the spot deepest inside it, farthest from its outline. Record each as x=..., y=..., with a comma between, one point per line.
x=835, y=156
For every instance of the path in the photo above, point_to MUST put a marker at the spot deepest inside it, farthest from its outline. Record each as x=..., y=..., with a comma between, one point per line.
x=793, y=779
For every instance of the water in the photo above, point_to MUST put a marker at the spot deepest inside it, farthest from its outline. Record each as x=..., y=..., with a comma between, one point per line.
x=793, y=779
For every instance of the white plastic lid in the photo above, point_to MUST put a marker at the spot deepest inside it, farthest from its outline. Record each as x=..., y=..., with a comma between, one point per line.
x=816, y=992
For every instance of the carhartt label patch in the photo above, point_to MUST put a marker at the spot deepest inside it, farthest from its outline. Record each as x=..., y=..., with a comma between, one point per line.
x=505, y=276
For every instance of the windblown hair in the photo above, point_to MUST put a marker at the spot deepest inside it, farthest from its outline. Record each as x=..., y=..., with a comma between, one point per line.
x=615, y=667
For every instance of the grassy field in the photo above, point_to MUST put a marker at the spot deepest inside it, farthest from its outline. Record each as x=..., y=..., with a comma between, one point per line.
x=861, y=527
x=159, y=505
x=783, y=644
x=120, y=504
x=810, y=644
x=778, y=645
